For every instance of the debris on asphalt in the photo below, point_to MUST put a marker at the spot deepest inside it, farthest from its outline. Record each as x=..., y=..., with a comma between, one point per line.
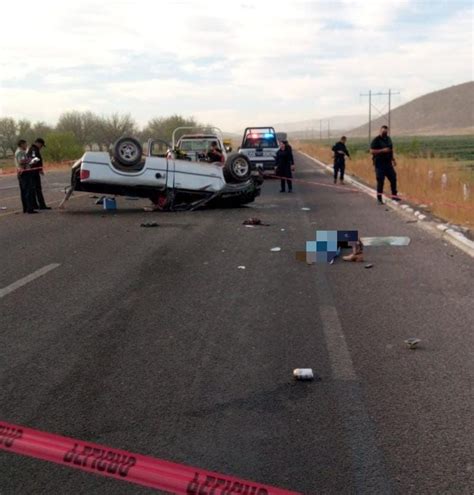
x=300, y=255
x=303, y=374
x=369, y=265
x=3, y=207
x=411, y=221
x=412, y=343
x=354, y=257
x=149, y=224
x=306, y=209
x=385, y=241
x=109, y=204
x=100, y=201
x=275, y=249
x=252, y=221
x=149, y=208
x=250, y=226
x=93, y=196
x=332, y=261
x=241, y=267
x=282, y=230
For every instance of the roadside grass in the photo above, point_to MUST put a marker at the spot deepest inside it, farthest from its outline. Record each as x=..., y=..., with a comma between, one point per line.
x=445, y=185
x=455, y=147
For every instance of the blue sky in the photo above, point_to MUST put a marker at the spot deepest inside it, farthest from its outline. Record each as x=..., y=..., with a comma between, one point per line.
x=228, y=63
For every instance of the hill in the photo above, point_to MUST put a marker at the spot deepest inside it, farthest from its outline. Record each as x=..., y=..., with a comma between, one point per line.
x=312, y=126
x=447, y=112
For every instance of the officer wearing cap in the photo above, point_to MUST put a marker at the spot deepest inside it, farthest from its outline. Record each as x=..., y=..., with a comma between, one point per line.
x=37, y=171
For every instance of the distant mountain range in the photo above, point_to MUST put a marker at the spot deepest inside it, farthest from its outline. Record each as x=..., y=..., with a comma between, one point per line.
x=446, y=112
x=449, y=111
x=315, y=126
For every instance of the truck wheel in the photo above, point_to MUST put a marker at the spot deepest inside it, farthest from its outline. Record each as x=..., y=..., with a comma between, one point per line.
x=237, y=168
x=128, y=152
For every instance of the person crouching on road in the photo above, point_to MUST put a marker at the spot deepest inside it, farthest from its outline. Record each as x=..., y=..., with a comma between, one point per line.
x=37, y=167
x=284, y=167
x=25, y=177
x=340, y=153
x=384, y=161
x=215, y=154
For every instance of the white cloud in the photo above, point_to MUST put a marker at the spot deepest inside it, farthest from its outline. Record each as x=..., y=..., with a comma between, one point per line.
x=224, y=62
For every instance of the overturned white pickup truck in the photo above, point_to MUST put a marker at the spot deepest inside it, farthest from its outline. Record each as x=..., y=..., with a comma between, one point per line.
x=169, y=182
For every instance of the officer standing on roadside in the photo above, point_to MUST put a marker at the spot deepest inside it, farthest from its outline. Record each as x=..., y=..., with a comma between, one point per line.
x=290, y=150
x=25, y=177
x=340, y=153
x=284, y=167
x=384, y=161
x=37, y=167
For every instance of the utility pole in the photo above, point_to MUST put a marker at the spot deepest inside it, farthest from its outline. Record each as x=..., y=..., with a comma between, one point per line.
x=389, y=106
x=370, y=117
x=370, y=94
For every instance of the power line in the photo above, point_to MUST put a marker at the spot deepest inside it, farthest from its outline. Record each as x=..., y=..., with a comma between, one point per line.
x=370, y=94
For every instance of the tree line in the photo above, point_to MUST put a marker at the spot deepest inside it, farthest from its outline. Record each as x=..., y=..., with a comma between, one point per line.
x=76, y=131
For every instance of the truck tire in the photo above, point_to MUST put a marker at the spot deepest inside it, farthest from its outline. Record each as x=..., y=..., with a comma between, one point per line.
x=237, y=168
x=127, y=151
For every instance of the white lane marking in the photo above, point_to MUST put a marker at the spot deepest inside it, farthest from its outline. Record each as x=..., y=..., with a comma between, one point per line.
x=26, y=280
x=368, y=463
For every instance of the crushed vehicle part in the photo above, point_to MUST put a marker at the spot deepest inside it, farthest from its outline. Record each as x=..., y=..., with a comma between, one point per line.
x=412, y=343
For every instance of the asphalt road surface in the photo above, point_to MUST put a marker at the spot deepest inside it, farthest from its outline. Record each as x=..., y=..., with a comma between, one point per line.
x=154, y=341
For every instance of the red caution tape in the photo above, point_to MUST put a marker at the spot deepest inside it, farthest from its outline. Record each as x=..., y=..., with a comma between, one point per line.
x=391, y=196
x=125, y=466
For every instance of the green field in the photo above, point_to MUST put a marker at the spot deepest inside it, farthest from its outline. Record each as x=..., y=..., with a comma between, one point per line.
x=456, y=147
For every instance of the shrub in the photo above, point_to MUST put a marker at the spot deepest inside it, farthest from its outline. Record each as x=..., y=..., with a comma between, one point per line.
x=61, y=146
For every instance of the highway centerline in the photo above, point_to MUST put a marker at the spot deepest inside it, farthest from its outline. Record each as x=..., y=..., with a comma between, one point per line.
x=26, y=280
x=368, y=463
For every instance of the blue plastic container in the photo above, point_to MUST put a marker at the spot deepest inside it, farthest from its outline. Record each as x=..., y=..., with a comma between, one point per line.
x=110, y=204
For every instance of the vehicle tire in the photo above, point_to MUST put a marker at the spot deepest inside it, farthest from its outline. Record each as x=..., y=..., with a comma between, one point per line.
x=237, y=168
x=127, y=151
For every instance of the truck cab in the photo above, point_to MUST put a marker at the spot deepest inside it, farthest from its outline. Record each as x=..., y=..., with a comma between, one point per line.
x=260, y=146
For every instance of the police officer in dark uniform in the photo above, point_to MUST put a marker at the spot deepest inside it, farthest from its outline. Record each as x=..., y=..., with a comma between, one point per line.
x=290, y=149
x=340, y=153
x=384, y=161
x=37, y=171
x=284, y=166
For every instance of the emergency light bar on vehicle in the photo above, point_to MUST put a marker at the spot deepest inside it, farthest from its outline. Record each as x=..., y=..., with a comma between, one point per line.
x=259, y=131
